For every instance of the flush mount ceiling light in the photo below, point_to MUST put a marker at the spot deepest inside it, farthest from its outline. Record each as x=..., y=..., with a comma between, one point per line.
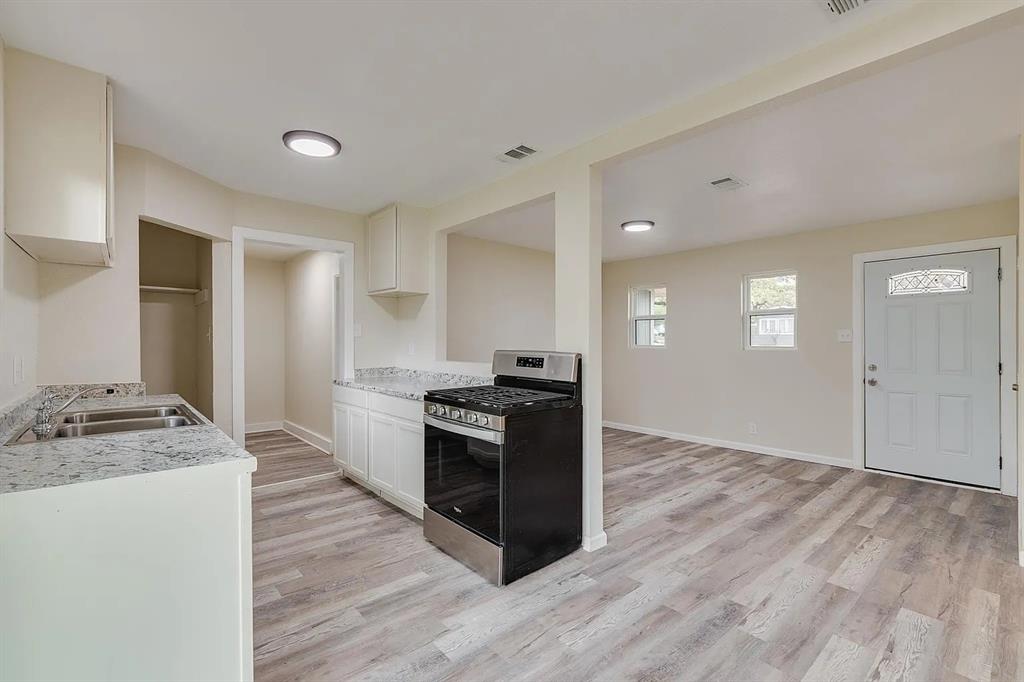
x=637, y=225
x=311, y=143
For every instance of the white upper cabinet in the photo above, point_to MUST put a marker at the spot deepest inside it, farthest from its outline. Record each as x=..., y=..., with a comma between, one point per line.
x=58, y=154
x=397, y=252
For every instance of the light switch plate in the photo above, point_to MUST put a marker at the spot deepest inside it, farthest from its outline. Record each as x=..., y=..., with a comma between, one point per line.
x=844, y=336
x=357, y=330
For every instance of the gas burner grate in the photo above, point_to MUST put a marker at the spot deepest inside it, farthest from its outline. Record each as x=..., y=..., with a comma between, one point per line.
x=498, y=396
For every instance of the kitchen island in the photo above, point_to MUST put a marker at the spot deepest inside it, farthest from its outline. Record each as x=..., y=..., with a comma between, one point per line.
x=146, y=568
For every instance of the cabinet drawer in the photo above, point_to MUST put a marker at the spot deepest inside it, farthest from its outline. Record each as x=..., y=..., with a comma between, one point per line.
x=350, y=396
x=403, y=408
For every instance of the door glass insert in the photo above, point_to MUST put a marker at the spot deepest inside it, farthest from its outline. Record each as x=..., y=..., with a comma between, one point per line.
x=936, y=281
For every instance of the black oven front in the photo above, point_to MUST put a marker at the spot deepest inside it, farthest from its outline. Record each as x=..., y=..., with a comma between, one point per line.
x=462, y=475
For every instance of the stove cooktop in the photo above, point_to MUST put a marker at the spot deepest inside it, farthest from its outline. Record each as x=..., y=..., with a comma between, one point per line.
x=496, y=396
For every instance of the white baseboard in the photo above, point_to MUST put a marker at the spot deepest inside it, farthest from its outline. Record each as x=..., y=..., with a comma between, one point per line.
x=595, y=542
x=732, y=445
x=264, y=426
x=311, y=437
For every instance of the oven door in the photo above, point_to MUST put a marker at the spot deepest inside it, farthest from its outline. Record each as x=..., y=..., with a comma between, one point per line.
x=462, y=475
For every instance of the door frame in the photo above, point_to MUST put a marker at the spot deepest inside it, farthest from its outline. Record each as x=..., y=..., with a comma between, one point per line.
x=346, y=262
x=1007, y=347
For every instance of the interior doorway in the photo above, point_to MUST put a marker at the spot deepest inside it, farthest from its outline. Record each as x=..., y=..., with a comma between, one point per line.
x=292, y=334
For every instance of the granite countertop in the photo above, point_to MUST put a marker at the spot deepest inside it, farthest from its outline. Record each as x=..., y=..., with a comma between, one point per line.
x=410, y=384
x=47, y=464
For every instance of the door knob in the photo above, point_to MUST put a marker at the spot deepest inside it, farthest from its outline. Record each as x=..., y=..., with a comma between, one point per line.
x=872, y=382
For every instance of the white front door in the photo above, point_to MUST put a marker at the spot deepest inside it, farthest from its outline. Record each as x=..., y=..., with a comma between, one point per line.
x=931, y=366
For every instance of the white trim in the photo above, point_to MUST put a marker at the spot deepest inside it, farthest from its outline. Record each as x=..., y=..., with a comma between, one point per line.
x=263, y=427
x=733, y=445
x=346, y=265
x=304, y=479
x=318, y=441
x=1007, y=344
x=392, y=499
x=595, y=542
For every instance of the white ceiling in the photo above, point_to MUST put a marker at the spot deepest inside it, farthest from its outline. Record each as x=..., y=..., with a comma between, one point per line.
x=935, y=133
x=270, y=251
x=531, y=226
x=423, y=95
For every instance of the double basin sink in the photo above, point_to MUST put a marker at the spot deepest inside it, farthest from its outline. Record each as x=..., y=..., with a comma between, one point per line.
x=116, y=420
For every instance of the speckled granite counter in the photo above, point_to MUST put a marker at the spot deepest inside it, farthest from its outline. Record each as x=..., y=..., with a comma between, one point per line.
x=47, y=464
x=409, y=383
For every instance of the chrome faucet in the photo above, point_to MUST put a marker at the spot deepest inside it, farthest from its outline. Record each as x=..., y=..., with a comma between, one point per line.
x=45, y=411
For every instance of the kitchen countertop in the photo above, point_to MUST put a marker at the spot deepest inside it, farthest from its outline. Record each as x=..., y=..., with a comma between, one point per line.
x=47, y=464
x=410, y=384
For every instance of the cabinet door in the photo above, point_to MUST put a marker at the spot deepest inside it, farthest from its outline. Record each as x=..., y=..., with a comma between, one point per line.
x=341, y=434
x=382, y=452
x=382, y=245
x=409, y=479
x=357, y=441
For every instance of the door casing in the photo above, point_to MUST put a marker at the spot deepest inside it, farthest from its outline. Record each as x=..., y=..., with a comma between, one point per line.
x=1007, y=347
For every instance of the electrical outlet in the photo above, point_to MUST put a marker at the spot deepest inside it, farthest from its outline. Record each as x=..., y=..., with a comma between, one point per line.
x=844, y=336
x=752, y=428
x=412, y=349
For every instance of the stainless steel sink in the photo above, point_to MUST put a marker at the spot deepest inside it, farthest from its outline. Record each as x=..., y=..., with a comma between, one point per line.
x=116, y=420
x=113, y=415
x=96, y=428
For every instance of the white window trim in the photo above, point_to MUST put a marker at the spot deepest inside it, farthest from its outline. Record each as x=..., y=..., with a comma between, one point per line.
x=747, y=313
x=632, y=319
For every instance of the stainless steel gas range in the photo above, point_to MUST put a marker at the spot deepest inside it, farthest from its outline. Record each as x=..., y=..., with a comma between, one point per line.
x=503, y=465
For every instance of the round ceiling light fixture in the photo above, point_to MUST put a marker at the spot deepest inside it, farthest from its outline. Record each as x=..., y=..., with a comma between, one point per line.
x=311, y=143
x=637, y=225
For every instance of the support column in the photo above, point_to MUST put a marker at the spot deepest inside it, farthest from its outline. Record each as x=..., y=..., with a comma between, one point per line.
x=578, y=323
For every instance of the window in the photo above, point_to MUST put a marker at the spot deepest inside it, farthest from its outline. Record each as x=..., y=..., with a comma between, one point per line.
x=648, y=307
x=769, y=310
x=938, y=281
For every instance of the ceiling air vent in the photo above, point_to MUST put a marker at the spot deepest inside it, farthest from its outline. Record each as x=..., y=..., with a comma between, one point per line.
x=727, y=183
x=517, y=153
x=844, y=6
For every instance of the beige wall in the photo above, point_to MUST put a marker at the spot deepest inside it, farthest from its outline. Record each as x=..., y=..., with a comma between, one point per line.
x=704, y=384
x=309, y=298
x=99, y=307
x=499, y=296
x=264, y=341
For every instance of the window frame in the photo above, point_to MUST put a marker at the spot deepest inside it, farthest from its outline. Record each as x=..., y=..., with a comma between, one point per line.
x=746, y=313
x=632, y=318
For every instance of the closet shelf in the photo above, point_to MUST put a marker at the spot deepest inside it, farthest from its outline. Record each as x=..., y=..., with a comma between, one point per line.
x=168, y=290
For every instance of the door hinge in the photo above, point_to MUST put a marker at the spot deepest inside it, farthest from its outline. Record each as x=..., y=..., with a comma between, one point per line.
x=999, y=274
x=1000, y=369
x=1000, y=462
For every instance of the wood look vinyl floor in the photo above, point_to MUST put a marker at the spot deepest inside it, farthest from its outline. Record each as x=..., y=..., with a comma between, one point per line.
x=282, y=457
x=720, y=565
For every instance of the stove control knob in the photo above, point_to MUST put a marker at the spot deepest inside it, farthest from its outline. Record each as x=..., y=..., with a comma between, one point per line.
x=442, y=410
x=456, y=414
x=433, y=409
x=484, y=420
x=471, y=418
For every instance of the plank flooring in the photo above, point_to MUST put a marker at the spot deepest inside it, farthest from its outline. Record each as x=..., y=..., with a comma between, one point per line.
x=721, y=565
x=282, y=457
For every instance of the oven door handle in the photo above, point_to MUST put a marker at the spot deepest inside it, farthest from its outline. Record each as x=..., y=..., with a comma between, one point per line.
x=496, y=437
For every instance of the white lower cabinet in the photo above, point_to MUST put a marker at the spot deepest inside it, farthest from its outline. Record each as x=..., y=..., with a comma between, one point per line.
x=358, y=442
x=382, y=451
x=409, y=455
